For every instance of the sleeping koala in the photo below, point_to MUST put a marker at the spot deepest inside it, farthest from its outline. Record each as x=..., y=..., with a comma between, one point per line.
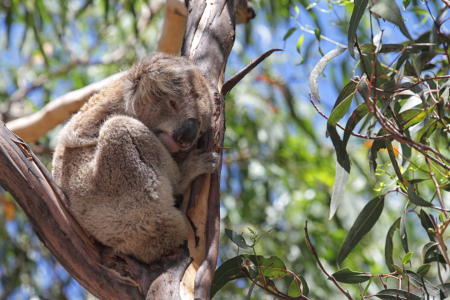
x=114, y=158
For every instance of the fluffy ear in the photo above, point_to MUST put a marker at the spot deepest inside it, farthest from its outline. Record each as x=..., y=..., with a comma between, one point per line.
x=155, y=77
x=68, y=138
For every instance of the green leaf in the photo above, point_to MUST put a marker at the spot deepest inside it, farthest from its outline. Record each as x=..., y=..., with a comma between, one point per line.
x=236, y=238
x=348, y=276
x=420, y=116
x=358, y=12
x=394, y=162
x=415, y=199
x=427, y=224
x=318, y=69
x=407, y=115
x=394, y=294
x=347, y=90
x=228, y=271
x=407, y=258
x=300, y=42
x=358, y=114
x=289, y=33
x=388, y=10
x=399, y=270
x=423, y=284
x=363, y=224
x=342, y=170
x=423, y=270
x=429, y=248
x=406, y=4
x=273, y=266
x=295, y=290
x=262, y=235
x=403, y=234
x=340, y=111
x=389, y=246
x=377, y=145
x=386, y=48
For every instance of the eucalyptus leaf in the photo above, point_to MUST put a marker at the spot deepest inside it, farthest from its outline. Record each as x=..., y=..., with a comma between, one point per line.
x=388, y=10
x=363, y=224
x=394, y=294
x=358, y=11
x=415, y=199
x=318, y=69
x=389, y=246
x=427, y=287
x=348, y=276
x=236, y=238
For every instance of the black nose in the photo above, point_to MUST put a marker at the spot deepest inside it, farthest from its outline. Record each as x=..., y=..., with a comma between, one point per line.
x=187, y=133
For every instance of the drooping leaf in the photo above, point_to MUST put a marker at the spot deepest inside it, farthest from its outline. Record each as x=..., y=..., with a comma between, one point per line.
x=289, y=33
x=389, y=246
x=394, y=294
x=423, y=284
x=295, y=289
x=348, y=276
x=388, y=10
x=358, y=114
x=429, y=248
x=407, y=258
x=394, y=162
x=300, y=42
x=423, y=270
x=342, y=170
x=427, y=224
x=363, y=224
x=415, y=199
x=377, y=145
x=358, y=12
x=236, y=238
x=318, y=69
x=403, y=234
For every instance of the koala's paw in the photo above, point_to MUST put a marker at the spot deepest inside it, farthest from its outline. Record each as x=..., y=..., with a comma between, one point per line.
x=205, y=162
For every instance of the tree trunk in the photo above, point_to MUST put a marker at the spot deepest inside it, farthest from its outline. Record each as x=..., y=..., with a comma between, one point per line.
x=187, y=272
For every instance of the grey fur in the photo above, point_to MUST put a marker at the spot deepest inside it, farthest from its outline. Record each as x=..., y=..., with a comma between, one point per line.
x=114, y=158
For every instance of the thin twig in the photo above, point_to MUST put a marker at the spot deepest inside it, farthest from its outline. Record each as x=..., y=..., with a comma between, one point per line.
x=313, y=251
x=230, y=83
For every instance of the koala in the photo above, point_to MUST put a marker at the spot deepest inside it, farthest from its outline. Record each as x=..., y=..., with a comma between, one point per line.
x=115, y=157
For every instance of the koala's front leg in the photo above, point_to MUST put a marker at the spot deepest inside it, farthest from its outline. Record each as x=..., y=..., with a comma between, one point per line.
x=198, y=162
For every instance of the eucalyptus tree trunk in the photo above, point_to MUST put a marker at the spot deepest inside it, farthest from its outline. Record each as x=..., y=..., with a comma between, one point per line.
x=187, y=272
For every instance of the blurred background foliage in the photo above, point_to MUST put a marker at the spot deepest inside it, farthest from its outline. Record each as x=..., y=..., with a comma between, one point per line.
x=280, y=168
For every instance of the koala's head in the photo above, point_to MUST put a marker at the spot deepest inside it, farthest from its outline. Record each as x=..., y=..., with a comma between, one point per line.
x=171, y=98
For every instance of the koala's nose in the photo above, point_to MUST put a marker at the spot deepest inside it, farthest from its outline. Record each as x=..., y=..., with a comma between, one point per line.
x=187, y=133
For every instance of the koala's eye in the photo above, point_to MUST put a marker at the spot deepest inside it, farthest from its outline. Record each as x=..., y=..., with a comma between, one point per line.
x=173, y=104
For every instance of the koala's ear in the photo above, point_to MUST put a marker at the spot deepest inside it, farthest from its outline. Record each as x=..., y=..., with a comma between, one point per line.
x=129, y=93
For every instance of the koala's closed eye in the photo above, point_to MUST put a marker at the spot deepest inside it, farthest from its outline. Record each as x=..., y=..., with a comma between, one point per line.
x=122, y=186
